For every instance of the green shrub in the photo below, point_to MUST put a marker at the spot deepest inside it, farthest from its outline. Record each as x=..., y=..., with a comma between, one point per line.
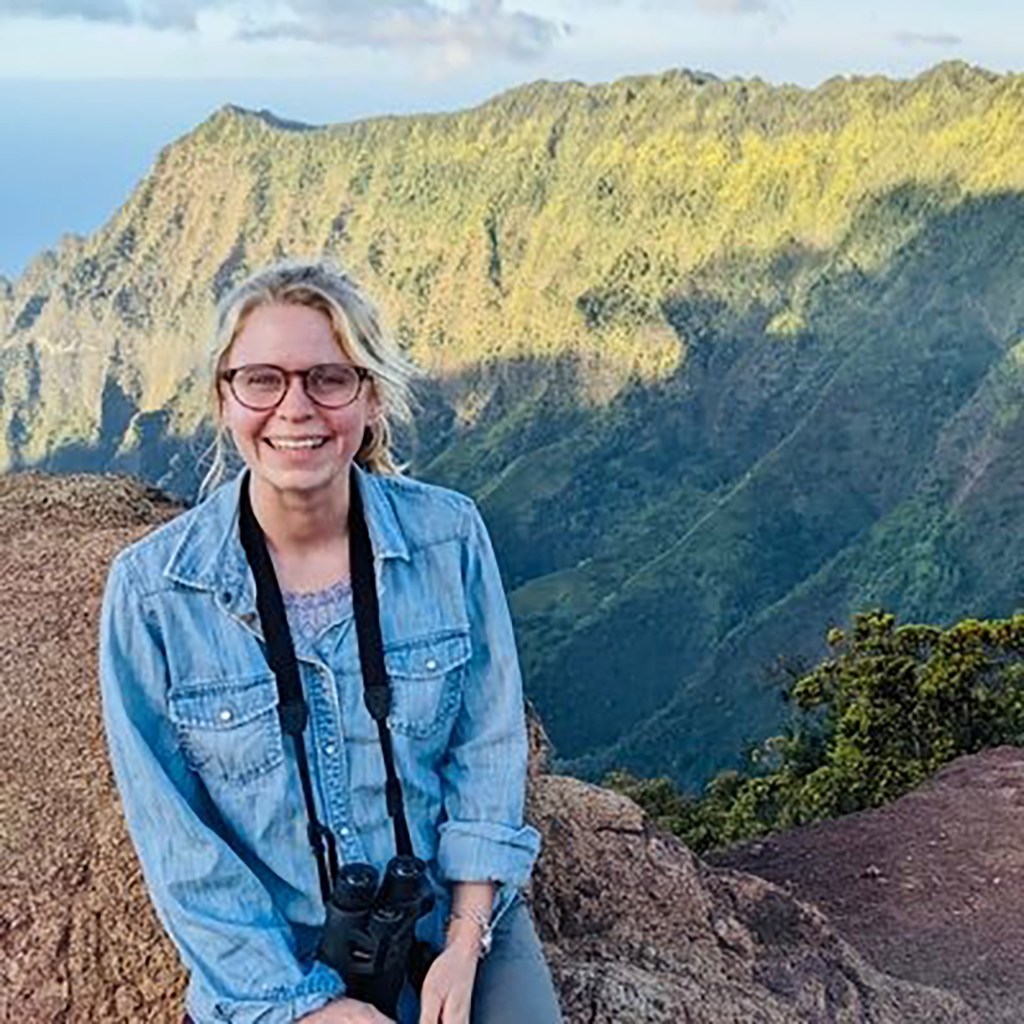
x=883, y=712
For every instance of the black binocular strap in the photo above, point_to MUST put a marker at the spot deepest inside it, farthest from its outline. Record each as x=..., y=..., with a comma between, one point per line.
x=292, y=708
x=376, y=691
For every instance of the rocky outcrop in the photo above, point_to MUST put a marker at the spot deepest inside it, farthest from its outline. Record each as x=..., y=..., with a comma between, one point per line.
x=640, y=930
x=637, y=929
x=931, y=886
x=76, y=940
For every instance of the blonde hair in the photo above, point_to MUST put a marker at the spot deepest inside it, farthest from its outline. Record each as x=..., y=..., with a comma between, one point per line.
x=323, y=286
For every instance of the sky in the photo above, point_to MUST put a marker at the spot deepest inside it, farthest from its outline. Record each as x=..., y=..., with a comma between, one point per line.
x=91, y=90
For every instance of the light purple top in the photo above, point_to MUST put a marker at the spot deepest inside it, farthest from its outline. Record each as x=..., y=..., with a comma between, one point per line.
x=310, y=613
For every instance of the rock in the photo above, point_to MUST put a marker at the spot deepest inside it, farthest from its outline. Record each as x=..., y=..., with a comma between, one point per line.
x=637, y=929
x=946, y=903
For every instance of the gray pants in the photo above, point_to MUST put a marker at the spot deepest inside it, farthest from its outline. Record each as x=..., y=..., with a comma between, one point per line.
x=513, y=984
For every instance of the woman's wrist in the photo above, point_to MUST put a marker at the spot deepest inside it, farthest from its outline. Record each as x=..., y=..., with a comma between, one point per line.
x=469, y=923
x=464, y=933
x=470, y=929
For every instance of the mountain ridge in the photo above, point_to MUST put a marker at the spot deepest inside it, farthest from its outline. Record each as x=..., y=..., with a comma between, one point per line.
x=722, y=326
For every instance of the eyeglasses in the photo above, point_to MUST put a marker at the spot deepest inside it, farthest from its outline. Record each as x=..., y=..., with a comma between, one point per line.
x=261, y=386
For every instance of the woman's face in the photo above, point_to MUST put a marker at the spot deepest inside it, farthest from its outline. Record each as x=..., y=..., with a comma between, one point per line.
x=294, y=338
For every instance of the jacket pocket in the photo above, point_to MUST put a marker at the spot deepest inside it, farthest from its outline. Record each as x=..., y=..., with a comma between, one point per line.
x=229, y=728
x=426, y=682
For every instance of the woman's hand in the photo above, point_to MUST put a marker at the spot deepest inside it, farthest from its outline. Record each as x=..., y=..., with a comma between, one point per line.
x=347, y=1011
x=448, y=986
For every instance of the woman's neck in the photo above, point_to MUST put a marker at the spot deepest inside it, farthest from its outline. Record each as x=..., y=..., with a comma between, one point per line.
x=301, y=524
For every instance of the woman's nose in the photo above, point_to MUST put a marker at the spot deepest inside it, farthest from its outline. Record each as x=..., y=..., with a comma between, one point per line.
x=295, y=401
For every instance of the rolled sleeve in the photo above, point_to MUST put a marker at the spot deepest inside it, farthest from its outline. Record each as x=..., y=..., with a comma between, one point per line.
x=484, y=774
x=238, y=948
x=483, y=851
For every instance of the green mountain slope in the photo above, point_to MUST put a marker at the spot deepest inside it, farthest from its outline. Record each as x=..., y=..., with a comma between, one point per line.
x=937, y=421
x=722, y=361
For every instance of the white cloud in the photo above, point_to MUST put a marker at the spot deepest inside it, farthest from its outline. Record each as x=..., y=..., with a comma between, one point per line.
x=159, y=14
x=927, y=38
x=88, y=10
x=479, y=28
x=735, y=6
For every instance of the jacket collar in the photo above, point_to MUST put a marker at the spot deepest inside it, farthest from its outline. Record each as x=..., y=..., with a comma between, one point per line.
x=210, y=556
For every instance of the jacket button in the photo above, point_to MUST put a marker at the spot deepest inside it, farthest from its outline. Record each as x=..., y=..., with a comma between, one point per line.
x=225, y=715
x=431, y=664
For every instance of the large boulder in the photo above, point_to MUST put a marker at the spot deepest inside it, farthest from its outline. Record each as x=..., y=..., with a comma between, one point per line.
x=637, y=929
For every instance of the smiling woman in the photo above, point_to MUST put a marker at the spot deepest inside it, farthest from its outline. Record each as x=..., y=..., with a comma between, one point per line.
x=310, y=683
x=285, y=317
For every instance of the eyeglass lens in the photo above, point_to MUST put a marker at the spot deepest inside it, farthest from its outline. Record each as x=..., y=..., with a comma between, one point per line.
x=330, y=384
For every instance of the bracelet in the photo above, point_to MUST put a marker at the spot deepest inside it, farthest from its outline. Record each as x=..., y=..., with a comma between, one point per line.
x=479, y=918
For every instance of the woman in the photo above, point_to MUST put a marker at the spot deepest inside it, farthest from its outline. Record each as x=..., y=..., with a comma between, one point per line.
x=307, y=387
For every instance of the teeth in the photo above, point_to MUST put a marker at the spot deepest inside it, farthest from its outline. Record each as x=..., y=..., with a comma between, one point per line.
x=313, y=442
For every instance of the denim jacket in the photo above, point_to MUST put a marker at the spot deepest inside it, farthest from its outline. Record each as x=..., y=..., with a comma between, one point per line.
x=210, y=785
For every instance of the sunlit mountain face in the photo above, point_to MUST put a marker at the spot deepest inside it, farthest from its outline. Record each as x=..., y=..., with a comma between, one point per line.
x=722, y=362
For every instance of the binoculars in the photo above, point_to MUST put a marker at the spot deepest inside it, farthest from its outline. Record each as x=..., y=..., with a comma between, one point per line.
x=370, y=934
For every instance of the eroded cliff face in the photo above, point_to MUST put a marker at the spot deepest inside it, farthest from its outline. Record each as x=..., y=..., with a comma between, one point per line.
x=637, y=929
x=741, y=357
x=609, y=222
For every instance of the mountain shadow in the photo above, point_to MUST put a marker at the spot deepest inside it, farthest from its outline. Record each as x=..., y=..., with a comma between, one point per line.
x=664, y=546
x=864, y=500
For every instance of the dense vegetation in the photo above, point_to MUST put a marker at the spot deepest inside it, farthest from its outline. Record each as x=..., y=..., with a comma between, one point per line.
x=723, y=362
x=889, y=706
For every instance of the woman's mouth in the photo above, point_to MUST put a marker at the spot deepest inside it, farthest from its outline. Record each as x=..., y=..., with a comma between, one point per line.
x=295, y=444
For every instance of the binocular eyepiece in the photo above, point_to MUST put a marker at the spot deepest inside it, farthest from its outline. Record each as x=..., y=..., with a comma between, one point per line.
x=370, y=934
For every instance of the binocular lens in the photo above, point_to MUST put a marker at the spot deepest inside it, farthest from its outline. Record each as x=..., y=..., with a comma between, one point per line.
x=370, y=936
x=356, y=886
x=402, y=880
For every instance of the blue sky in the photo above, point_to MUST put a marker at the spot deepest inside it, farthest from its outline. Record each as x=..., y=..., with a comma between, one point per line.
x=91, y=89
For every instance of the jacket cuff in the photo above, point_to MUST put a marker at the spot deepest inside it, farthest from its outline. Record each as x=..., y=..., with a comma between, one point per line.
x=482, y=851
x=274, y=1006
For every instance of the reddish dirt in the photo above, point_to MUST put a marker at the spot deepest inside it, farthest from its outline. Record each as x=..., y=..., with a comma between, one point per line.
x=930, y=888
